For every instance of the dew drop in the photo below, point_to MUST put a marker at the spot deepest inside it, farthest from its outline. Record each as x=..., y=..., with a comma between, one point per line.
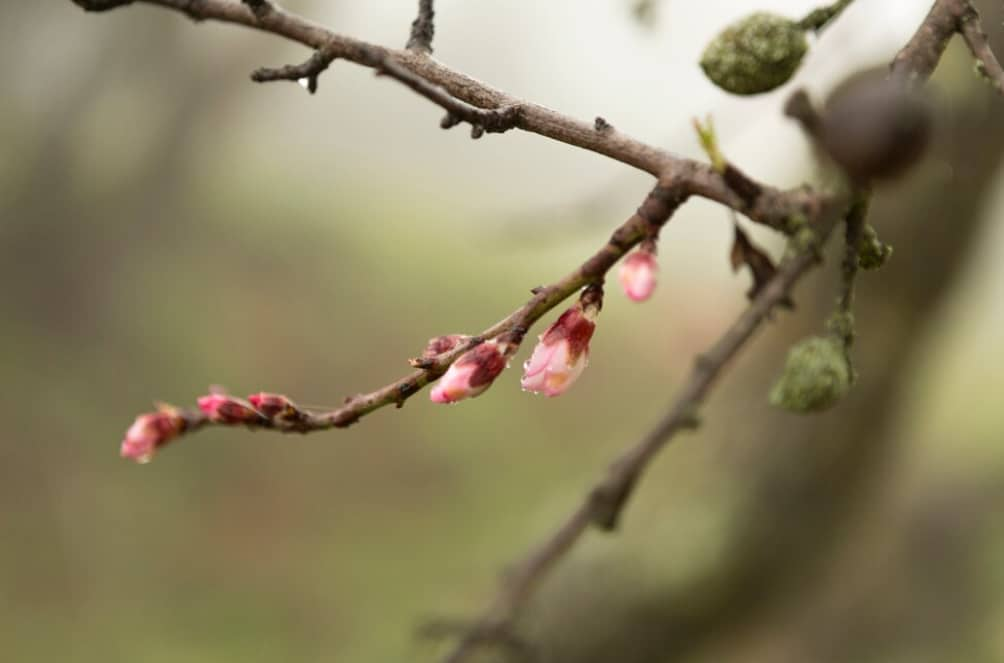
x=304, y=83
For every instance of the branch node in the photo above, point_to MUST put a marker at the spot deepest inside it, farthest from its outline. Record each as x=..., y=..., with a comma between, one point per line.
x=260, y=8
x=608, y=499
x=602, y=126
x=306, y=73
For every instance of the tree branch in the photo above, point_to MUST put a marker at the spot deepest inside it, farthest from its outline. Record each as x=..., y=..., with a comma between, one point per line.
x=920, y=56
x=657, y=208
x=422, y=29
x=310, y=70
x=489, y=109
x=976, y=40
x=604, y=501
x=698, y=178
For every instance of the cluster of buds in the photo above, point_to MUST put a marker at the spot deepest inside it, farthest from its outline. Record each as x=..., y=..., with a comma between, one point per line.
x=259, y=408
x=638, y=272
x=153, y=430
x=560, y=357
x=149, y=432
x=557, y=361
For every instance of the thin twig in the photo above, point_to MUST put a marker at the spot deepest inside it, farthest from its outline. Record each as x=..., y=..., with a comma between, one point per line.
x=818, y=19
x=657, y=208
x=976, y=39
x=698, y=177
x=918, y=59
x=310, y=70
x=853, y=232
x=490, y=120
x=422, y=28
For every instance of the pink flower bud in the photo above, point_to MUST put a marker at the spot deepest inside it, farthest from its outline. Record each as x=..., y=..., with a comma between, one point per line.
x=472, y=373
x=148, y=432
x=273, y=405
x=227, y=409
x=441, y=344
x=637, y=275
x=562, y=353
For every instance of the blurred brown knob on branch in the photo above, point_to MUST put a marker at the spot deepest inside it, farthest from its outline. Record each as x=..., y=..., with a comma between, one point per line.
x=873, y=126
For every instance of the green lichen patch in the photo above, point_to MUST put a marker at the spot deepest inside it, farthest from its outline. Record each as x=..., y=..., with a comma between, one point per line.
x=872, y=252
x=816, y=376
x=757, y=54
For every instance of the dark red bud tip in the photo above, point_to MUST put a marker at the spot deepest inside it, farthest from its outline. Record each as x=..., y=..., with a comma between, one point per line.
x=227, y=409
x=273, y=406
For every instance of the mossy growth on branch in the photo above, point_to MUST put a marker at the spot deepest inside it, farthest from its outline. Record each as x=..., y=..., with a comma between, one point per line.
x=757, y=54
x=817, y=374
x=872, y=252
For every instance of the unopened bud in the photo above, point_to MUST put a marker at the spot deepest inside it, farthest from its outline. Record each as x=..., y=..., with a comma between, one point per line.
x=441, y=344
x=227, y=409
x=562, y=353
x=274, y=406
x=148, y=432
x=471, y=374
x=638, y=275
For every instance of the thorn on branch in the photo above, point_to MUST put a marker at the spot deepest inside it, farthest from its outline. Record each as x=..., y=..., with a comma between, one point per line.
x=422, y=28
x=307, y=71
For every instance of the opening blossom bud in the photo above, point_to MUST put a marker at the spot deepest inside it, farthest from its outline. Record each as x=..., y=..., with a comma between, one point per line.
x=273, y=405
x=148, y=432
x=638, y=275
x=563, y=351
x=227, y=409
x=472, y=373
